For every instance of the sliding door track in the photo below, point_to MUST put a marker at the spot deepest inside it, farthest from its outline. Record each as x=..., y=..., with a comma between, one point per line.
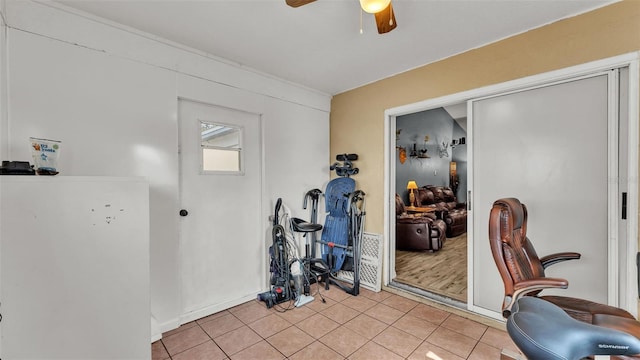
x=429, y=295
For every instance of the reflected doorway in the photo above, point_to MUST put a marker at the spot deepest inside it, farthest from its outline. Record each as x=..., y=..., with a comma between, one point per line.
x=431, y=183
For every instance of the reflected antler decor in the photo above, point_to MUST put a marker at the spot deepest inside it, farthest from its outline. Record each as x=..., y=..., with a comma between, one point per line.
x=443, y=149
x=402, y=154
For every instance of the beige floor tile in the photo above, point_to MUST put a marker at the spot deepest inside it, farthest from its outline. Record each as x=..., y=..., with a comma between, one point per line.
x=237, y=340
x=428, y=351
x=269, y=325
x=318, y=305
x=340, y=313
x=182, y=327
x=429, y=313
x=314, y=288
x=359, y=303
x=206, y=351
x=213, y=316
x=373, y=351
x=343, y=341
x=296, y=315
x=158, y=352
x=250, y=311
x=400, y=303
x=414, y=326
x=317, y=325
x=184, y=340
x=335, y=293
x=498, y=339
x=290, y=340
x=366, y=326
x=316, y=351
x=375, y=296
x=384, y=313
x=398, y=341
x=221, y=325
x=484, y=352
x=262, y=350
x=465, y=326
x=372, y=325
x=244, y=305
x=452, y=341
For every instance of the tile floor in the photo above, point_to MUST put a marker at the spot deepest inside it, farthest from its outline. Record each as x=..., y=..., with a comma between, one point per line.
x=370, y=326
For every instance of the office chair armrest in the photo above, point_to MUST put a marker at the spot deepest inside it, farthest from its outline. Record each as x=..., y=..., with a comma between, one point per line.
x=524, y=287
x=558, y=257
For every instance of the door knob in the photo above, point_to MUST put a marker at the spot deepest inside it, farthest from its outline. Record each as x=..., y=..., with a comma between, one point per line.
x=184, y=212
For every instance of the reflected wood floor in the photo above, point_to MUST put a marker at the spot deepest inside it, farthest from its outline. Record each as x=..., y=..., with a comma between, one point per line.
x=442, y=272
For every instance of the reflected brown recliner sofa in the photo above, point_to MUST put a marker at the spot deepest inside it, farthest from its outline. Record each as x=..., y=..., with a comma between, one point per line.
x=418, y=232
x=448, y=209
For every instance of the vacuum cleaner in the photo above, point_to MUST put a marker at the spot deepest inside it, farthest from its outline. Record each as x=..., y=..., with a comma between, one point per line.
x=287, y=275
x=280, y=275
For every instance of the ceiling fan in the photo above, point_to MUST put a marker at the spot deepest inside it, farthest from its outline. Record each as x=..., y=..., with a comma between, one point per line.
x=382, y=9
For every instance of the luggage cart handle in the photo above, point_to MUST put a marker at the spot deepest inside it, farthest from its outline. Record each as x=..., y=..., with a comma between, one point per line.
x=313, y=194
x=277, y=210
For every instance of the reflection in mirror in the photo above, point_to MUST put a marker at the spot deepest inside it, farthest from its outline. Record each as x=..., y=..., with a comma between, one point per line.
x=221, y=147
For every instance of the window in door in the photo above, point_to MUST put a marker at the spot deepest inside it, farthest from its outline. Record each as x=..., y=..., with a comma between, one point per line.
x=221, y=148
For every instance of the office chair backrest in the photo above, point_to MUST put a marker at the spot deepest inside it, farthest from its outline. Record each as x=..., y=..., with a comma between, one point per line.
x=512, y=251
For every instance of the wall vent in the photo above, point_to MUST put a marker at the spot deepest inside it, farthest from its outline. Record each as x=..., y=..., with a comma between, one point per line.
x=370, y=263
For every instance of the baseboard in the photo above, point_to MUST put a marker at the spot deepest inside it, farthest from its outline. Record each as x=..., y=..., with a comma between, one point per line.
x=157, y=329
x=161, y=328
x=156, y=334
x=206, y=311
x=155, y=337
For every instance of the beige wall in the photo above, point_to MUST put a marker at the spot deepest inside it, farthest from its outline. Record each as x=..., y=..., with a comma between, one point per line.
x=357, y=116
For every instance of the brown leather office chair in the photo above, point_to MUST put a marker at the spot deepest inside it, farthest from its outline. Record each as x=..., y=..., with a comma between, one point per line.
x=522, y=271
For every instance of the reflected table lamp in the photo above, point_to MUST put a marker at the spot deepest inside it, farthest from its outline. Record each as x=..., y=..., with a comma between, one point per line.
x=412, y=186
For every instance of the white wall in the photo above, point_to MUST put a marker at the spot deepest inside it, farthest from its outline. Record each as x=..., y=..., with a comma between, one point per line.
x=111, y=94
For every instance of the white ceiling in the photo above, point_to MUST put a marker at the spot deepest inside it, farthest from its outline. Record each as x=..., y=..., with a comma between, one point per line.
x=319, y=45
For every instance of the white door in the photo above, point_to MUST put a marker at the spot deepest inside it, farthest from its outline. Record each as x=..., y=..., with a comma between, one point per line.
x=626, y=296
x=549, y=147
x=221, y=240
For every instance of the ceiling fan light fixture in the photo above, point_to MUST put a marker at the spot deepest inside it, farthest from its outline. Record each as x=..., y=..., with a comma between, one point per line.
x=374, y=6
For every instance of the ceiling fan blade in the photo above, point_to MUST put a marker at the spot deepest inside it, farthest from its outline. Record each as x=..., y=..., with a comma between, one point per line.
x=386, y=20
x=296, y=3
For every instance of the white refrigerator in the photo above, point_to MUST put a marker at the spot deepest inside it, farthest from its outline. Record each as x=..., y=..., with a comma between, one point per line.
x=74, y=268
